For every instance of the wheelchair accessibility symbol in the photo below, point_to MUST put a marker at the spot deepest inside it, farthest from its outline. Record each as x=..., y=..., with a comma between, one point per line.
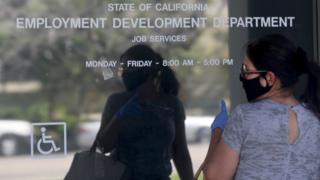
x=46, y=140
x=44, y=144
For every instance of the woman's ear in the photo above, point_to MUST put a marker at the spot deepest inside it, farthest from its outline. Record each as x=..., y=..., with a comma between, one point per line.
x=271, y=78
x=268, y=80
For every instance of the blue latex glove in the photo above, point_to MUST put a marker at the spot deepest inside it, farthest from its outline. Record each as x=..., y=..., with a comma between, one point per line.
x=131, y=109
x=221, y=118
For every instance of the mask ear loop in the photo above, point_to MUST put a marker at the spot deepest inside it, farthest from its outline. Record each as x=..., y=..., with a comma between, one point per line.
x=263, y=75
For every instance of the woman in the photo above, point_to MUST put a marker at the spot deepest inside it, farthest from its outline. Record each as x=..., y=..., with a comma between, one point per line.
x=275, y=136
x=145, y=124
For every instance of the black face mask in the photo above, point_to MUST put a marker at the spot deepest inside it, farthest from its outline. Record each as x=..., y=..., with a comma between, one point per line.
x=134, y=79
x=253, y=88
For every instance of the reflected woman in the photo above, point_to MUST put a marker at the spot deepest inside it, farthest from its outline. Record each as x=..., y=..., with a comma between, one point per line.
x=274, y=136
x=146, y=122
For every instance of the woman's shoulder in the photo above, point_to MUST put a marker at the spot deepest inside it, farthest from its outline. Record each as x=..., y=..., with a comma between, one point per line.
x=259, y=110
x=258, y=106
x=305, y=111
x=116, y=100
x=119, y=96
x=250, y=106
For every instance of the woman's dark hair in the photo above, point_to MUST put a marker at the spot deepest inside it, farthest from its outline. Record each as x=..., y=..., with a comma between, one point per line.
x=136, y=76
x=276, y=53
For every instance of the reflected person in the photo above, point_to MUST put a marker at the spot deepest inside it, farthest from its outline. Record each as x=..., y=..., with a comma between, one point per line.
x=146, y=122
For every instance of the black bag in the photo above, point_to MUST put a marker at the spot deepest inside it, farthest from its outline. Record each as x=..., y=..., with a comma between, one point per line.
x=95, y=165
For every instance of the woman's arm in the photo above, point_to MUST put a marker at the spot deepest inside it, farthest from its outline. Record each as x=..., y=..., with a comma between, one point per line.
x=109, y=122
x=110, y=133
x=217, y=127
x=222, y=164
x=215, y=138
x=106, y=118
x=181, y=156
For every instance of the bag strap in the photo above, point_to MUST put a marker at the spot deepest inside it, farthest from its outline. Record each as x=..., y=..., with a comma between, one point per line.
x=95, y=143
x=197, y=174
x=97, y=147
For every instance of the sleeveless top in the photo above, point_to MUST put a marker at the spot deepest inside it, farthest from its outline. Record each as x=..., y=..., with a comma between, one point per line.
x=259, y=132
